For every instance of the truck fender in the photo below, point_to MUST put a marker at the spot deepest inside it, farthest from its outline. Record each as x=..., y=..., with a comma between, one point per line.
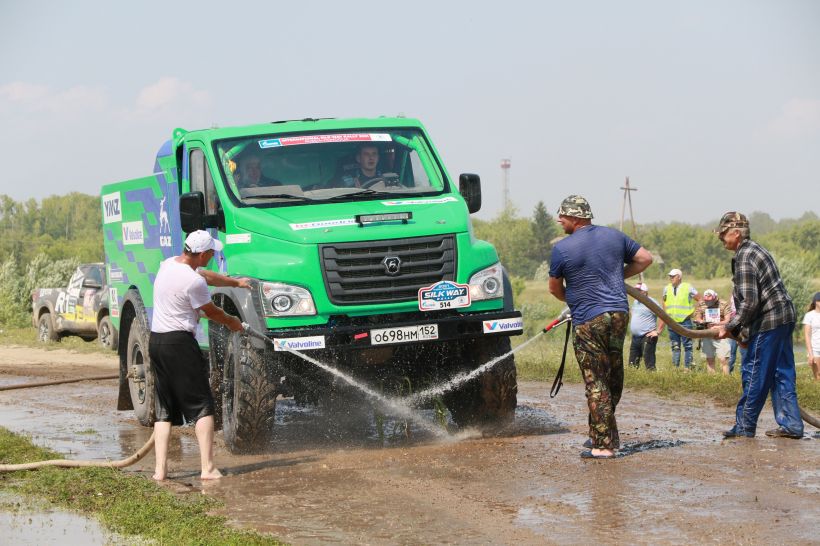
x=248, y=304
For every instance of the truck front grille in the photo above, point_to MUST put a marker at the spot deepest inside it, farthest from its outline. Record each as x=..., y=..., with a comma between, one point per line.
x=355, y=273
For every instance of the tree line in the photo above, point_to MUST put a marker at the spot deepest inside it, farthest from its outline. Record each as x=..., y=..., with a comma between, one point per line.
x=41, y=243
x=524, y=244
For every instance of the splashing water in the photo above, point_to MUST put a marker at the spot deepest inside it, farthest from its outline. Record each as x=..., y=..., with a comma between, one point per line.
x=404, y=407
x=395, y=406
x=462, y=378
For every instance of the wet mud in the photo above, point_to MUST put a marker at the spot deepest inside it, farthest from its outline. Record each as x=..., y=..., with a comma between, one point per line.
x=358, y=477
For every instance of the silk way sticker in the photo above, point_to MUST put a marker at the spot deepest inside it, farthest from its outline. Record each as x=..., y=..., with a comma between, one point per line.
x=324, y=224
x=419, y=201
x=444, y=295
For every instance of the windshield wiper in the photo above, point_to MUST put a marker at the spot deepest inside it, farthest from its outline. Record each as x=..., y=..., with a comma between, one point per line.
x=278, y=196
x=359, y=193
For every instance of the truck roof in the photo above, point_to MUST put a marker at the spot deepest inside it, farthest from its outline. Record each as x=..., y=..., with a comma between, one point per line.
x=288, y=126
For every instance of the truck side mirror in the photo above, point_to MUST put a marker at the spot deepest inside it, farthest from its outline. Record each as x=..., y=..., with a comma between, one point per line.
x=191, y=211
x=469, y=186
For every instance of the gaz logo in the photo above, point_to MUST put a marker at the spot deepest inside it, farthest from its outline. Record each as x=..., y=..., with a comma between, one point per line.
x=444, y=295
x=111, y=208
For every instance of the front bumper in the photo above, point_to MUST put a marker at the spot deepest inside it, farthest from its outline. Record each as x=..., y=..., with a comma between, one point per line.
x=341, y=334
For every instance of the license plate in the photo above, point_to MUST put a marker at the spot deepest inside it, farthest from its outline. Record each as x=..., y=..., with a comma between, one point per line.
x=404, y=334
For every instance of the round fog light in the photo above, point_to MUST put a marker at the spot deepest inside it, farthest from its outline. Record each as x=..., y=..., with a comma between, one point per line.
x=490, y=285
x=282, y=303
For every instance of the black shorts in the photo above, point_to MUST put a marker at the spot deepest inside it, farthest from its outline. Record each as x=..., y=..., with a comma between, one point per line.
x=181, y=378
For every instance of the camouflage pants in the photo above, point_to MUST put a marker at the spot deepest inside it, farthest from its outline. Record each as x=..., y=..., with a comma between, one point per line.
x=599, y=349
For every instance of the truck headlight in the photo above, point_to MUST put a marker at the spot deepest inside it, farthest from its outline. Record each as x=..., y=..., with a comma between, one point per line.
x=279, y=299
x=487, y=284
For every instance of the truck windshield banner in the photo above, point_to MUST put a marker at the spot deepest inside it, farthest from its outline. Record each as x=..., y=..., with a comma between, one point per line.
x=324, y=139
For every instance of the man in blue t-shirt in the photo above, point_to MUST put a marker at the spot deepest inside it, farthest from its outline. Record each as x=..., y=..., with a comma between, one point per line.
x=587, y=270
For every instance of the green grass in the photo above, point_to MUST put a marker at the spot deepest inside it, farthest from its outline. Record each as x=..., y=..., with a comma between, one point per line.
x=27, y=337
x=125, y=503
x=540, y=360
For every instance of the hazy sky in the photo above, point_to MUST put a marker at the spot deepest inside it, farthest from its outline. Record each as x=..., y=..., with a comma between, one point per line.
x=706, y=105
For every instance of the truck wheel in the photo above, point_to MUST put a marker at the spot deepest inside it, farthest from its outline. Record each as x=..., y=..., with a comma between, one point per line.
x=489, y=400
x=107, y=334
x=45, y=329
x=248, y=397
x=140, y=372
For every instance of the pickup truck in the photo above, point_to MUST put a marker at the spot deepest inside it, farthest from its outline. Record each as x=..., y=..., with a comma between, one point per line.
x=81, y=309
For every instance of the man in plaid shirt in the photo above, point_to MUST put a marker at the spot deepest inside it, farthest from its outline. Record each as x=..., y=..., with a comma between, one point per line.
x=766, y=314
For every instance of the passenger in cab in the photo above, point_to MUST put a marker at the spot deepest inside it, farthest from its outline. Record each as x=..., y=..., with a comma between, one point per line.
x=249, y=174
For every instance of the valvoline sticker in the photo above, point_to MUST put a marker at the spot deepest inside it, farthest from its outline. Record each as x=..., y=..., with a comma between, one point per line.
x=444, y=295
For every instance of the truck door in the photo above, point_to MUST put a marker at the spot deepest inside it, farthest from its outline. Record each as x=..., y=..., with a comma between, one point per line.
x=202, y=180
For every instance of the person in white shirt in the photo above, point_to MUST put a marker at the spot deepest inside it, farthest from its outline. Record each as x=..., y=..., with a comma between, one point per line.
x=811, y=333
x=181, y=372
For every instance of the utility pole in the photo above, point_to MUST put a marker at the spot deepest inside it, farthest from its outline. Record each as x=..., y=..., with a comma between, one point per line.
x=505, y=182
x=628, y=197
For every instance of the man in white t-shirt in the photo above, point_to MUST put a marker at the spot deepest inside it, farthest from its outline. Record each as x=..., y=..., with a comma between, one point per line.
x=181, y=372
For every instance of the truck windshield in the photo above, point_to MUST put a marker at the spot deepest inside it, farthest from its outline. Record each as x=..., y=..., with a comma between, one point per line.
x=285, y=169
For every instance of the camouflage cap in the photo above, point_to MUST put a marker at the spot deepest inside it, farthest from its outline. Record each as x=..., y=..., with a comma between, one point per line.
x=731, y=220
x=575, y=206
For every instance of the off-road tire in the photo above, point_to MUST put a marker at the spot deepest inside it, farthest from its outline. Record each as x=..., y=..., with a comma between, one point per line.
x=107, y=334
x=139, y=368
x=248, y=397
x=45, y=329
x=487, y=401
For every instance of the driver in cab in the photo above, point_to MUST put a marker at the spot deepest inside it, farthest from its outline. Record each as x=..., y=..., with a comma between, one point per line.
x=365, y=170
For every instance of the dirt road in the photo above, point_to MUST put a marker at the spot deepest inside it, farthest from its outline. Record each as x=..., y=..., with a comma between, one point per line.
x=330, y=482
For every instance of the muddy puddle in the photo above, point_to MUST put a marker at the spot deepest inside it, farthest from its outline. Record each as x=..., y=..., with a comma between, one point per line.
x=26, y=524
x=358, y=478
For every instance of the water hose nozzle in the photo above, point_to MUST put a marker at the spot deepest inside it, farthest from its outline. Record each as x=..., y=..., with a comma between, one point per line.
x=563, y=317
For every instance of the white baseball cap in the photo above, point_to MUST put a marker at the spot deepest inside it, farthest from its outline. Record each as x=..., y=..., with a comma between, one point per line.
x=675, y=272
x=709, y=293
x=642, y=287
x=201, y=241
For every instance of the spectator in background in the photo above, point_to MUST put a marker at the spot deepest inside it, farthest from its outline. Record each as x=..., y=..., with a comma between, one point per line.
x=811, y=333
x=713, y=311
x=644, y=333
x=679, y=299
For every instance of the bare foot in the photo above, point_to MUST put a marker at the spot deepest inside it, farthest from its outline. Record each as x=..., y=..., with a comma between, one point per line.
x=602, y=452
x=213, y=474
x=159, y=477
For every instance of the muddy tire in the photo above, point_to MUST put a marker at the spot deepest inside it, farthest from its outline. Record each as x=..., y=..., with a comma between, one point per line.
x=107, y=334
x=489, y=400
x=248, y=397
x=45, y=329
x=140, y=372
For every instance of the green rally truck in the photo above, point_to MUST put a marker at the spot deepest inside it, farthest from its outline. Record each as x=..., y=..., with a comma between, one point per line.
x=360, y=250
